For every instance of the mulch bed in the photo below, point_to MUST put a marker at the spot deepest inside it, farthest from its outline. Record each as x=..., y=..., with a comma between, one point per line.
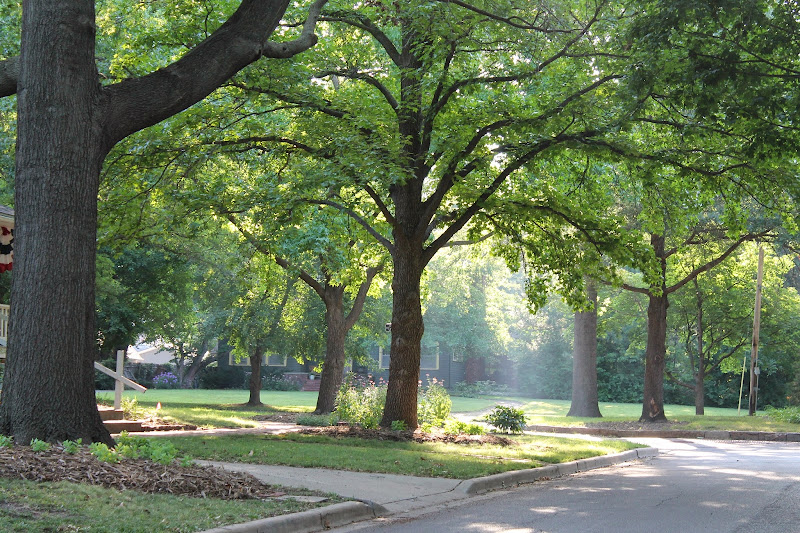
x=20, y=462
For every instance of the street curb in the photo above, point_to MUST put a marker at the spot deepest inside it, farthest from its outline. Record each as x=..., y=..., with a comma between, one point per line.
x=672, y=433
x=341, y=514
x=518, y=477
x=338, y=514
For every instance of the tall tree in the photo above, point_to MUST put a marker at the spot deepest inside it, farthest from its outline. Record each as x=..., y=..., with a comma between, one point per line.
x=584, y=359
x=434, y=114
x=721, y=79
x=714, y=317
x=68, y=121
x=328, y=280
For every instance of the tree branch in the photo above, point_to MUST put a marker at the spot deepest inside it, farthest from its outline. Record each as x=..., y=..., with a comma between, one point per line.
x=361, y=297
x=363, y=76
x=359, y=219
x=9, y=74
x=714, y=262
x=363, y=23
x=135, y=104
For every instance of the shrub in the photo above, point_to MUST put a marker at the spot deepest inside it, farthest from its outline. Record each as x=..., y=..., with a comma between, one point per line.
x=133, y=411
x=507, y=419
x=39, y=445
x=360, y=403
x=5, y=441
x=434, y=403
x=166, y=380
x=103, y=381
x=70, y=446
x=399, y=425
x=457, y=427
x=478, y=389
x=786, y=414
x=229, y=377
x=103, y=452
x=279, y=383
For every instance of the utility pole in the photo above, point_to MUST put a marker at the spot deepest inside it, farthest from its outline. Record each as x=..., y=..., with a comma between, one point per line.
x=754, y=370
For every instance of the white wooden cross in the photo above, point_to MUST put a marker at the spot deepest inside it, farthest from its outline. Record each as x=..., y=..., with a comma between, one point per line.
x=121, y=380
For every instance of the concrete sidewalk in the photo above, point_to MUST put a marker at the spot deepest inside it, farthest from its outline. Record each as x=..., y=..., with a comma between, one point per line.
x=377, y=495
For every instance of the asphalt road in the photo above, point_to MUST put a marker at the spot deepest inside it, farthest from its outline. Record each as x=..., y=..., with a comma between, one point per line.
x=692, y=486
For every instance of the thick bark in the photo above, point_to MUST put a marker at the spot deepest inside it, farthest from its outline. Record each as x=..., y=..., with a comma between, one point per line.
x=333, y=367
x=48, y=390
x=338, y=326
x=255, y=377
x=9, y=74
x=700, y=373
x=199, y=363
x=656, y=350
x=67, y=123
x=407, y=329
x=584, y=360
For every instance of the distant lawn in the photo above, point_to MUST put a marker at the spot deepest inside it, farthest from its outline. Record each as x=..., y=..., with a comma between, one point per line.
x=554, y=413
x=223, y=408
x=429, y=459
x=211, y=408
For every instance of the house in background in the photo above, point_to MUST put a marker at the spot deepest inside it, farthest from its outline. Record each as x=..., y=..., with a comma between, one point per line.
x=437, y=360
x=6, y=264
x=149, y=354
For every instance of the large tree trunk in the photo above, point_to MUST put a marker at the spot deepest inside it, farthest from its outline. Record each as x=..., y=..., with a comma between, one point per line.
x=48, y=390
x=255, y=377
x=700, y=373
x=333, y=367
x=656, y=350
x=67, y=123
x=407, y=329
x=655, y=360
x=584, y=359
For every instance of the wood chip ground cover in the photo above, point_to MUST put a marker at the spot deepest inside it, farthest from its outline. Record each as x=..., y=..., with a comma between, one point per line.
x=20, y=462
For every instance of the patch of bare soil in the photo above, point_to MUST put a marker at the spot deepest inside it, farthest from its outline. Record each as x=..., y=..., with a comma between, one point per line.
x=20, y=462
x=405, y=436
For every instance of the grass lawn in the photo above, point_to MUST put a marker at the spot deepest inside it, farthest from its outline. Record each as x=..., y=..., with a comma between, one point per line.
x=223, y=408
x=29, y=506
x=554, y=412
x=215, y=408
x=428, y=459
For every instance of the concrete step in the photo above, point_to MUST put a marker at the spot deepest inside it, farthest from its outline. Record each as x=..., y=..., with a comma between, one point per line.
x=118, y=426
x=109, y=413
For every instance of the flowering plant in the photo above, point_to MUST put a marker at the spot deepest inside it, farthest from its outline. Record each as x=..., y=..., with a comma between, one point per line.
x=166, y=380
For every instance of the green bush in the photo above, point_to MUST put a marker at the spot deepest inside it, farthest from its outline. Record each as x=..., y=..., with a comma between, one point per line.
x=6, y=442
x=103, y=452
x=507, y=419
x=434, y=404
x=399, y=425
x=360, y=404
x=457, y=427
x=71, y=447
x=39, y=445
x=478, y=389
x=223, y=377
x=279, y=383
x=786, y=414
